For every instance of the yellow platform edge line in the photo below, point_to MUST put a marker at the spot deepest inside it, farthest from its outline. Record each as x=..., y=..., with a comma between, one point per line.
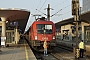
x=26, y=53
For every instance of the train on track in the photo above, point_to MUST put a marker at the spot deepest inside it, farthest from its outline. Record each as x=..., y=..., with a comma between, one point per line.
x=39, y=31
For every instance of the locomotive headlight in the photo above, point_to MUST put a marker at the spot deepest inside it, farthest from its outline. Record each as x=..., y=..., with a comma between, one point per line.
x=35, y=37
x=53, y=37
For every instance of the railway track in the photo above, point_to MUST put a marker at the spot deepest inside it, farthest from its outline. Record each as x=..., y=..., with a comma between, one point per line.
x=86, y=57
x=51, y=56
x=63, y=54
x=57, y=56
x=65, y=48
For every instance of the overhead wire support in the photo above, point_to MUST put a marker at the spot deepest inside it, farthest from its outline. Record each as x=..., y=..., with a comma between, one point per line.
x=41, y=12
x=36, y=15
x=48, y=12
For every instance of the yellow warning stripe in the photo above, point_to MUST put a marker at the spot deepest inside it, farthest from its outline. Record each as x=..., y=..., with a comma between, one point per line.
x=26, y=53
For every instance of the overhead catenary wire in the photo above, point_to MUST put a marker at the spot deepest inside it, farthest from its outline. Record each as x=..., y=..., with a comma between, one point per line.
x=43, y=4
x=71, y=11
x=65, y=12
x=62, y=14
x=41, y=7
x=38, y=5
x=41, y=12
x=60, y=10
x=60, y=3
x=81, y=10
x=56, y=12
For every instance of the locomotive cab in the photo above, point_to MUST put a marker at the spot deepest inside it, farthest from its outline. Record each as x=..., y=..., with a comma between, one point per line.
x=42, y=30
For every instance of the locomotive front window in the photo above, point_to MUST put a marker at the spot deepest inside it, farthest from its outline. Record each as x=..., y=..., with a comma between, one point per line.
x=44, y=29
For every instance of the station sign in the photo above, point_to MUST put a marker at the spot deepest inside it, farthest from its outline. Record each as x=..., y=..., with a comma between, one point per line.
x=13, y=23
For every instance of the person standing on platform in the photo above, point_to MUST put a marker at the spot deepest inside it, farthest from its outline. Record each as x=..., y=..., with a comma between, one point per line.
x=45, y=48
x=81, y=47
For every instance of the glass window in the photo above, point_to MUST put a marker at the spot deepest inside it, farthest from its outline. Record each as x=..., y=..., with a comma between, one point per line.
x=44, y=29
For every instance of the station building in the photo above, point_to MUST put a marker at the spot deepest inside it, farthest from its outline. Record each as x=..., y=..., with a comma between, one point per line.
x=12, y=24
x=66, y=29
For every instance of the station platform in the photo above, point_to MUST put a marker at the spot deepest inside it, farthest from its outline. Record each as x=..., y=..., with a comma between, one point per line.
x=17, y=52
x=71, y=56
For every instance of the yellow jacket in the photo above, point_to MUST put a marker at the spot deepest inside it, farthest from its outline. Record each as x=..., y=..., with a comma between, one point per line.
x=45, y=44
x=81, y=45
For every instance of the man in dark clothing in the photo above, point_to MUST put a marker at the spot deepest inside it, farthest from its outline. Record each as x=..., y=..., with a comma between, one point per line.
x=81, y=47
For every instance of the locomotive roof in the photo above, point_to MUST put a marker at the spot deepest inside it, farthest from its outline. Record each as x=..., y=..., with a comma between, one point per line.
x=42, y=21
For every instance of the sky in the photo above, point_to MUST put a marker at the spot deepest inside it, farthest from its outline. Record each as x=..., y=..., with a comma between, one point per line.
x=63, y=7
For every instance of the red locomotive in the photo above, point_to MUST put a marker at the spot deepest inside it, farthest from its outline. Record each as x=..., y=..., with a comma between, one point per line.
x=42, y=30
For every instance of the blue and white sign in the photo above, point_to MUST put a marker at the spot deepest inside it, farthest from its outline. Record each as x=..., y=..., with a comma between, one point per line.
x=14, y=23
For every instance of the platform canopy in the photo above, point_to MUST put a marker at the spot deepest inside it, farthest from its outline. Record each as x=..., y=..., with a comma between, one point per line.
x=83, y=17
x=86, y=16
x=16, y=15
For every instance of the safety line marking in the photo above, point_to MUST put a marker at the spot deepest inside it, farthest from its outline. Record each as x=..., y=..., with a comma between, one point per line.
x=26, y=53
